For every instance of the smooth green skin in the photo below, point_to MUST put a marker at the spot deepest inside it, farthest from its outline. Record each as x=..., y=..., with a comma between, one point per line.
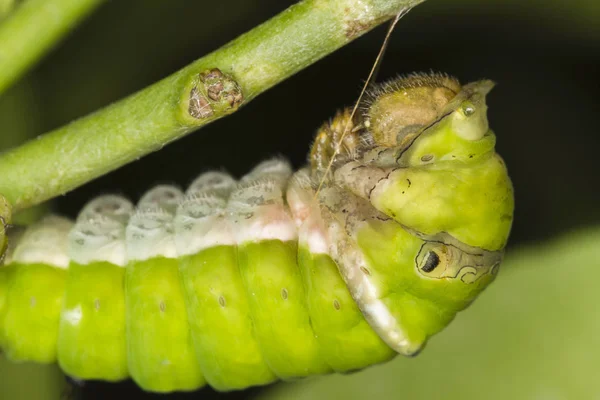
x=161, y=356
x=94, y=348
x=533, y=334
x=347, y=341
x=423, y=306
x=282, y=325
x=226, y=348
x=465, y=191
x=34, y=298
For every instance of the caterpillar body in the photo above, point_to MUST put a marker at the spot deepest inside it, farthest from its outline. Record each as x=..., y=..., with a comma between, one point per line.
x=365, y=253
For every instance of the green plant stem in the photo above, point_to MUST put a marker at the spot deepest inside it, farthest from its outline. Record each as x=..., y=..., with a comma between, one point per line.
x=19, y=113
x=72, y=155
x=32, y=29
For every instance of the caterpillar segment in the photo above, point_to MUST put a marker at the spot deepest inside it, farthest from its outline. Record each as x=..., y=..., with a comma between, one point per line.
x=397, y=223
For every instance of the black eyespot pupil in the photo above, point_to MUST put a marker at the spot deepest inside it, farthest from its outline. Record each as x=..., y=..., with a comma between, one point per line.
x=432, y=261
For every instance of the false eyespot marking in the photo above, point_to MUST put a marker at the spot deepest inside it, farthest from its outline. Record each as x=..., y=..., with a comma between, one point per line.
x=444, y=257
x=431, y=262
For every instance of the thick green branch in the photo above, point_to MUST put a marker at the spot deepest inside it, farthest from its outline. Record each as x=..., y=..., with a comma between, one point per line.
x=32, y=29
x=207, y=89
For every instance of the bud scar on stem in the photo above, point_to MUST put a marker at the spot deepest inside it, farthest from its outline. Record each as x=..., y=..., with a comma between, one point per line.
x=212, y=94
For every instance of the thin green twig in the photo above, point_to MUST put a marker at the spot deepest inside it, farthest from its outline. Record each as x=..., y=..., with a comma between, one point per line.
x=208, y=89
x=32, y=29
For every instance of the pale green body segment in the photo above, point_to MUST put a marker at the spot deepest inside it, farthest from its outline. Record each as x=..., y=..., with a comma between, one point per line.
x=91, y=335
x=475, y=191
x=390, y=252
x=257, y=312
x=220, y=320
x=278, y=306
x=346, y=340
x=161, y=356
x=34, y=299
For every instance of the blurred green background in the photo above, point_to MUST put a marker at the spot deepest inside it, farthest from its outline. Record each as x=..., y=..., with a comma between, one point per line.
x=535, y=333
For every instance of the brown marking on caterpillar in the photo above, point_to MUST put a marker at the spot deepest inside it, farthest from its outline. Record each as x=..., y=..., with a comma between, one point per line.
x=222, y=301
x=336, y=304
x=337, y=137
x=506, y=217
x=365, y=271
x=284, y=293
x=162, y=306
x=427, y=157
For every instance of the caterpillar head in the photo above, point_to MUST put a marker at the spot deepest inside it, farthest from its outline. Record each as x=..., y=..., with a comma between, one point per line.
x=442, y=206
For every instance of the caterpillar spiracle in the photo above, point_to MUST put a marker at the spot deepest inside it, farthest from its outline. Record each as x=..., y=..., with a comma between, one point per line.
x=279, y=275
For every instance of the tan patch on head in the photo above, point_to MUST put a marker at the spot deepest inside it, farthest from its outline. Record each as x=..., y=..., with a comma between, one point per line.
x=400, y=108
x=337, y=138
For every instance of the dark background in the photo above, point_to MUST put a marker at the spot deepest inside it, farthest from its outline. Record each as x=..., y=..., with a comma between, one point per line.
x=545, y=109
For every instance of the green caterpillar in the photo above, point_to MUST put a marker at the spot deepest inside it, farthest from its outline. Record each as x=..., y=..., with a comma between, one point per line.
x=367, y=252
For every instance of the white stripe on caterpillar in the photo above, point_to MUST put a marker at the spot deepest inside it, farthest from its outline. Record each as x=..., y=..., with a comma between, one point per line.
x=99, y=232
x=45, y=243
x=200, y=221
x=307, y=215
x=257, y=207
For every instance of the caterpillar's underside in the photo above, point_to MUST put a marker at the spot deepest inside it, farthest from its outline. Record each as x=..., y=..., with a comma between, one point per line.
x=235, y=284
